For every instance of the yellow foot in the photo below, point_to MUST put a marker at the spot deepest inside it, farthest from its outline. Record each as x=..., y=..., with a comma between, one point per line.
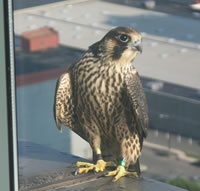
x=120, y=172
x=100, y=166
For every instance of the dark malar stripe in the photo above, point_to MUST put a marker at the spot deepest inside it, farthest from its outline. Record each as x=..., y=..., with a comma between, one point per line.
x=117, y=53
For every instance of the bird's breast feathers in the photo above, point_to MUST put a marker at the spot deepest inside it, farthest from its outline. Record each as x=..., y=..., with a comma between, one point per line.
x=99, y=94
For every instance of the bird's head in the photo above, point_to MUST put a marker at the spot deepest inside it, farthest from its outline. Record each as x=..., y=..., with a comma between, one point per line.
x=121, y=44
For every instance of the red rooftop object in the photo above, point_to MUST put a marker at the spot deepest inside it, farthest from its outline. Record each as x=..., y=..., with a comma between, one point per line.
x=40, y=39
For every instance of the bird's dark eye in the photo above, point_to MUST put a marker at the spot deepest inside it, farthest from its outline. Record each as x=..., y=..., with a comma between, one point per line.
x=124, y=38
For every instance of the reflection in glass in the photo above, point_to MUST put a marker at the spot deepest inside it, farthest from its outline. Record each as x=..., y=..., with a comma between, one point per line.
x=168, y=66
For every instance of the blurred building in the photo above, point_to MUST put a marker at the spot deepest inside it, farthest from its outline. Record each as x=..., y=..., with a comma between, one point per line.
x=40, y=39
x=168, y=66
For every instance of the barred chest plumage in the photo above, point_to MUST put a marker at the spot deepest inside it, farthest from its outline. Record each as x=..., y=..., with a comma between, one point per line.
x=98, y=89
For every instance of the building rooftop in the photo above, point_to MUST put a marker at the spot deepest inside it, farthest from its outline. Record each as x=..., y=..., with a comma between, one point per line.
x=171, y=43
x=41, y=32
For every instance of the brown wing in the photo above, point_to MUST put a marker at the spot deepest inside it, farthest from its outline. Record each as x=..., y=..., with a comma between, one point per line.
x=63, y=103
x=64, y=107
x=137, y=103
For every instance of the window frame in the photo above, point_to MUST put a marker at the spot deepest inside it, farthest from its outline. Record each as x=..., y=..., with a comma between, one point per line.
x=8, y=131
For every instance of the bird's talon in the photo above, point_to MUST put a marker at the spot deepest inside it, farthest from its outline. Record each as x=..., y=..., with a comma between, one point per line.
x=105, y=173
x=120, y=172
x=86, y=164
x=111, y=173
x=85, y=167
x=76, y=172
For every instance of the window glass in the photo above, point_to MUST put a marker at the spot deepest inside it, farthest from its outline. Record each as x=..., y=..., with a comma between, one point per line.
x=51, y=35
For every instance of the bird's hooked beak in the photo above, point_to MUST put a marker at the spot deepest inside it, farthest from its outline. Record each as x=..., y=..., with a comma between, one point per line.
x=139, y=48
x=136, y=45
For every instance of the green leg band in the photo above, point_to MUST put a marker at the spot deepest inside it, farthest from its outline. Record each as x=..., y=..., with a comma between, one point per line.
x=122, y=163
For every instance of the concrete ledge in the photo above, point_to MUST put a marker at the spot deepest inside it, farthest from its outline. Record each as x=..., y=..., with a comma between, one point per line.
x=42, y=168
x=92, y=182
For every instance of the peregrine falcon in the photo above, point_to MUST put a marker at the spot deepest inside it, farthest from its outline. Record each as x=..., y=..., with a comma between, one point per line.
x=101, y=98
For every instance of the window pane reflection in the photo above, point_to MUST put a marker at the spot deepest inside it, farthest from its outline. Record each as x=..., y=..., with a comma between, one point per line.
x=169, y=67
